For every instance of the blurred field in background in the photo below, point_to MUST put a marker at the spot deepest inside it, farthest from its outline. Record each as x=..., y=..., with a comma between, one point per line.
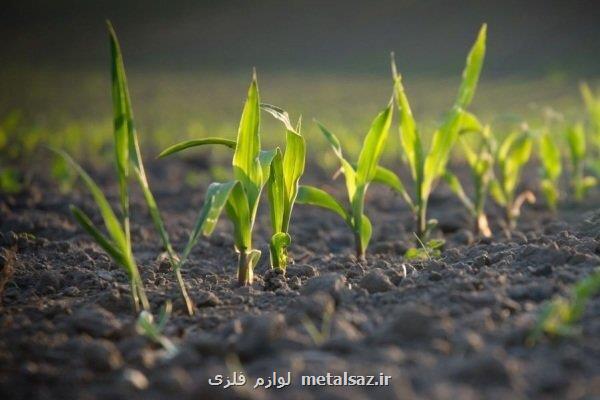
x=72, y=110
x=189, y=65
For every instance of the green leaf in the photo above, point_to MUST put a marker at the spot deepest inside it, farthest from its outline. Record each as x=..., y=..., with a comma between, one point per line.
x=389, y=178
x=373, y=146
x=292, y=168
x=281, y=239
x=217, y=195
x=276, y=191
x=294, y=160
x=517, y=156
x=86, y=223
x=317, y=197
x=470, y=123
x=458, y=190
x=278, y=249
x=366, y=231
x=196, y=142
x=246, y=166
x=576, y=142
x=264, y=159
x=592, y=105
x=254, y=258
x=111, y=222
x=240, y=214
x=550, y=155
x=472, y=70
x=550, y=192
x=409, y=136
x=497, y=192
x=436, y=244
x=358, y=205
x=278, y=113
x=122, y=116
x=347, y=169
x=443, y=142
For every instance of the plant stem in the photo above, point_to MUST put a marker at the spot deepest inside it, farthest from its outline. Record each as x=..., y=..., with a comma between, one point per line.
x=422, y=221
x=245, y=268
x=511, y=222
x=360, y=252
x=186, y=298
x=138, y=293
x=482, y=226
x=278, y=257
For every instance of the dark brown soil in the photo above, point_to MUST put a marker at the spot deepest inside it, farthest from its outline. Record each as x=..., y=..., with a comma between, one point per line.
x=449, y=328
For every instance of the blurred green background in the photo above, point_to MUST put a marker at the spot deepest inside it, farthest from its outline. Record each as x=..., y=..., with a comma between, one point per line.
x=189, y=64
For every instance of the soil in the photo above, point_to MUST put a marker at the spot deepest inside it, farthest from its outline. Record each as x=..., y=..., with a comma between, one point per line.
x=449, y=328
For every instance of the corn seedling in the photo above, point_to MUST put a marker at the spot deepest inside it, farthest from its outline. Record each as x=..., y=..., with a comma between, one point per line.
x=480, y=163
x=118, y=242
x=551, y=168
x=580, y=183
x=427, y=167
x=129, y=157
x=322, y=334
x=240, y=197
x=560, y=316
x=357, y=179
x=286, y=171
x=510, y=158
x=425, y=251
x=146, y=326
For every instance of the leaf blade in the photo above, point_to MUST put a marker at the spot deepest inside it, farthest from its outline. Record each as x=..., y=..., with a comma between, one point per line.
x=318, y=197
x=186, y=144
x=373, y=146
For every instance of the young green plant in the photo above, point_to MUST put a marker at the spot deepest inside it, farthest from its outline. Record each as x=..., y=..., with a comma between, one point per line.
x=510, y=158
x=480, y=163
x=286, y=171
x=580, y=183
x=551, y=168
x=129, y=158
x=153, y=330
x=560, y=316
x=427, y=167
x=239, y=197
x=357, y=177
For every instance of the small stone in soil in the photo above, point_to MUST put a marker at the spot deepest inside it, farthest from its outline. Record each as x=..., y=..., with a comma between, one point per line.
x=258, y=333
x=314, y=307
x=102, y=356
x=331, y=283
x=484, y=370
x=533, y=291
x=135, y=379
x=376, y=281
x=205, y=298
x=95, y=321
x=410, y=323
x=301, y=270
